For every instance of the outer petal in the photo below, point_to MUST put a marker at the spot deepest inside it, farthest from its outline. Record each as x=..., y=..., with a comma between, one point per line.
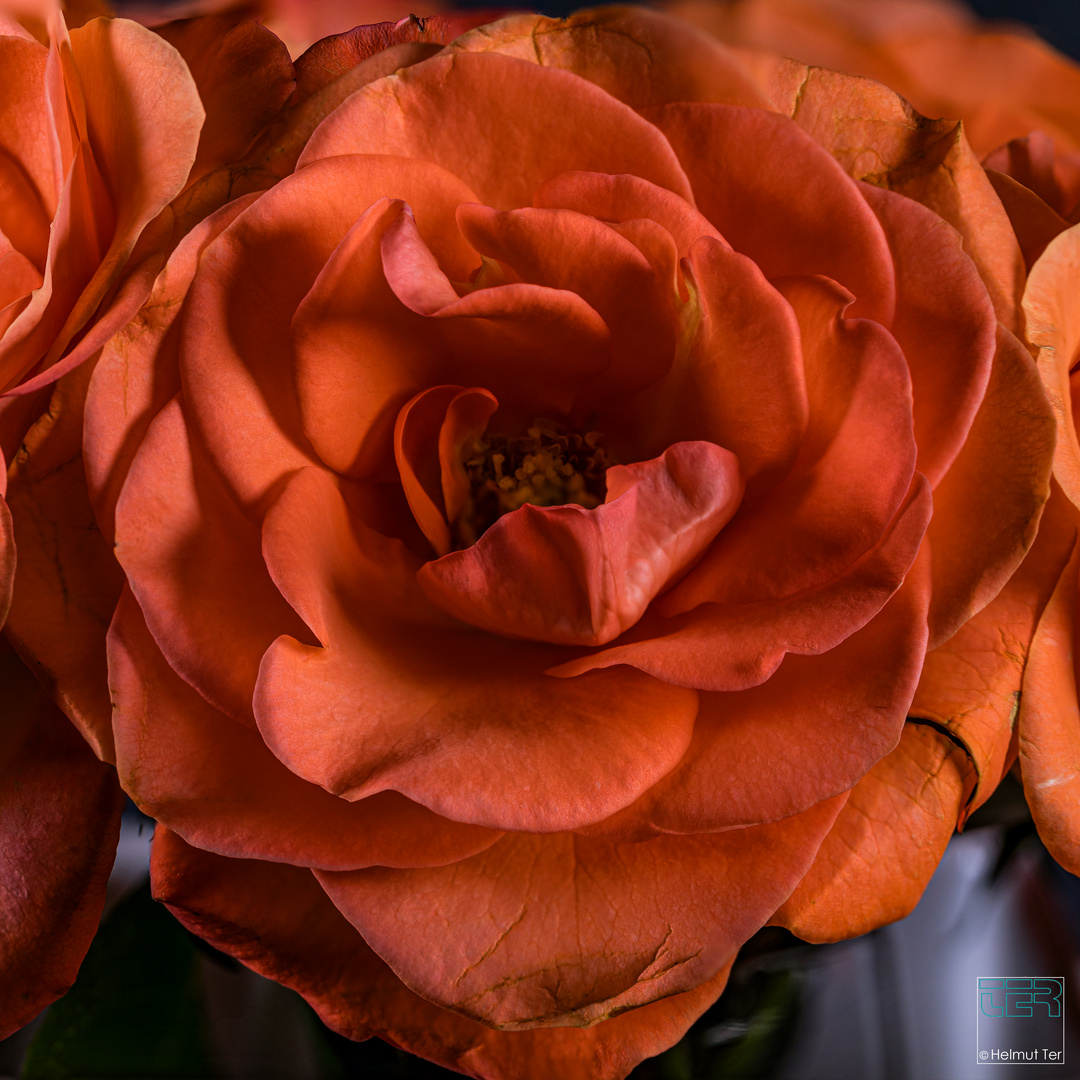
x=876, y=136
x=59, y=824
x=216, y=784
x=971, y=685
x=393, y=700
x=472, y=113
x=639, y=56
x=278, y=921
x=888, y=840
x=1053, y=326
x=1049, y=724
x=555, y=930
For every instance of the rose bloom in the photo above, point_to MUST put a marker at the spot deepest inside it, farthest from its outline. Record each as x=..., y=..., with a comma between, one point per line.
x=524, y=530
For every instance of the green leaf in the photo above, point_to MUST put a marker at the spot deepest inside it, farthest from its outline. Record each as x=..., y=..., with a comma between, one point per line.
x=135, y=1009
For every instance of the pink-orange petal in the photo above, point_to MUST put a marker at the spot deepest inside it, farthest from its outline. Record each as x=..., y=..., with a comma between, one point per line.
x=986, y=509
x=476, y=115
x=821, y=225
x=194, y=563
x=574, y=576
x=544, y=930
x=467, y=725
x=277, y=920
x=811, y=731
x=59, y=824
x=216, y=784
x=729, y=647
x=945, y=324
x=854, y=468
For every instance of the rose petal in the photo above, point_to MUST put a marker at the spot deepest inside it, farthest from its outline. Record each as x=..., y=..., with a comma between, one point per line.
x=278, y=921
x=1049, y=724
x=393, y=700
x=887, y=841
x=1034, y=223
x=546, y=930
x=59, y=823
x=216, y=784
x=194, y=563
x=854, y=468
x=811, y=731
x=473, y=113
x=730, y=647
x=987, y=507
x=821, y=225
x=573, y=576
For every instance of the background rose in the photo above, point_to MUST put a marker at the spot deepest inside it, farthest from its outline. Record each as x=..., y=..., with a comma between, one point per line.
x=1002, y=82
x=85, y=232
x=252, y=460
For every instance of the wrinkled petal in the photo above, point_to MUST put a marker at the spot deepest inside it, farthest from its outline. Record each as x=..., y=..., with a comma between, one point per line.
x=277, y=920
x=542, y=930
x=887, y=841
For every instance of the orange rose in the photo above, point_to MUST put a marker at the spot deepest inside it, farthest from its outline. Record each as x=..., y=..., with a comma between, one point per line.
x=1003, y=83
x=522, y=516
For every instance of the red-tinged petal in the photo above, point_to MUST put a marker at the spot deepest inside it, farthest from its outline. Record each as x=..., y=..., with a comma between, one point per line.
x=474, y=113
x=737, y=382
x=59, y=824
x=810, y=732
x=243, y=75
x=729, y=647
x=277, y=920
x=22, y=216
x=66, y=579
x=886, y=843
x=877, y=136
x=821, y=225
x=945, y=324
x=18, y=279
x=139, y=372
x=573, y=576
x=576, y=252
x=971, y=685
x=7, y=559
x=639, y=56
x=555, y=930
x=1049, y=724
x=854, y=467
x=626, y=198
x=986, y=509
x=1054, y=328
x=334, y=56
x=216, y=784
x=1034, y=222
x=392, y=699
x=194, y=563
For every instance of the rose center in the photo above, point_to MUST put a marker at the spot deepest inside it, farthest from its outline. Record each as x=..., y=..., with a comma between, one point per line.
x=547, y=466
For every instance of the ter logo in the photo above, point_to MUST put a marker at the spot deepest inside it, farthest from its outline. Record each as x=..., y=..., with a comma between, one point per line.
x=1020, y=997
